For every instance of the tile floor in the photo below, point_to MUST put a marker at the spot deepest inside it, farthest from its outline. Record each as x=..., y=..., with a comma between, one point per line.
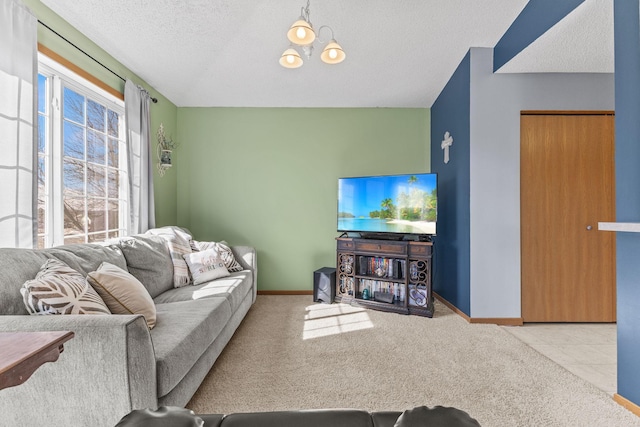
x=586, y=349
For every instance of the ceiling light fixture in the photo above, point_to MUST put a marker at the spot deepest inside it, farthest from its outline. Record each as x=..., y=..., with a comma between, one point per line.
x=291, y=59
x=302, y=34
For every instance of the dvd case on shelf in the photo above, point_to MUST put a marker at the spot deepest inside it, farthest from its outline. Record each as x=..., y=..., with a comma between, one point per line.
x=382, y=267
x=394, y=288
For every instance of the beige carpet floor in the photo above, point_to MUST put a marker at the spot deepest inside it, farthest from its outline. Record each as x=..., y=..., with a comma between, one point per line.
x=290, y=353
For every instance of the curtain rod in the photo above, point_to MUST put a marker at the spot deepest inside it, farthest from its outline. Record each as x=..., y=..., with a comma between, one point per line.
x=155, y=100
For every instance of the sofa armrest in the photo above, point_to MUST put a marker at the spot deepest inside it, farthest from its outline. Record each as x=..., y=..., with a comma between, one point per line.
x=104, y=372
x=248, y=258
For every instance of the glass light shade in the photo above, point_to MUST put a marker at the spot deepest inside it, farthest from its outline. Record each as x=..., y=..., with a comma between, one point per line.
x=290, y=59
x=332, y=53
x=301, y=33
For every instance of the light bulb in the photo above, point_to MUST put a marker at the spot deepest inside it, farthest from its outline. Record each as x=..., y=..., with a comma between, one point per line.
x=332, y=53
x=301, y=33
x=290, y=59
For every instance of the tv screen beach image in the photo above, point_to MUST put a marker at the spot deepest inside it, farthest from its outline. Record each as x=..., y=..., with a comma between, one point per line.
x=388, y=204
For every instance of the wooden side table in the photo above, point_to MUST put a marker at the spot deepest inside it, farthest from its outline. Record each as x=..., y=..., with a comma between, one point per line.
x=21, y=353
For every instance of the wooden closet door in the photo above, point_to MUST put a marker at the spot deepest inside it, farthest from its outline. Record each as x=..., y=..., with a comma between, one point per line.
x=567, y=186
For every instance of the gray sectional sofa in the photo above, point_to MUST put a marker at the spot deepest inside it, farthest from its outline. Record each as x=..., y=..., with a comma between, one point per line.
x=115, y=364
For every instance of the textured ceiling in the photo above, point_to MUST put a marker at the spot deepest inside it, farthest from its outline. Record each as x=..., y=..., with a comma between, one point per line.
x=581, y=42
x=400, y=53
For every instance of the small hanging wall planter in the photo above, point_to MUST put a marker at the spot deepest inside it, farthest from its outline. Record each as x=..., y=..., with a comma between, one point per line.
x=165, y=158
x=164, y=150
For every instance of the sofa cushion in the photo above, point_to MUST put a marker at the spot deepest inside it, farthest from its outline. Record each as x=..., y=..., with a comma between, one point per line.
x=86, y=257
x=178, y=244
x=17, y=266
x=438, y=416
x=184, y=330
x=168, y=416
x=59, y=289
x=306, y=418
x=122, y=292
x=149, y=261
x=234, y=288
x=205, y=266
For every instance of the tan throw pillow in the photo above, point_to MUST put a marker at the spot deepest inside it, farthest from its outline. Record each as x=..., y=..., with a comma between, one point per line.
x=123, y=293
x=59, y=289
x=206, y=266
x=224, y=251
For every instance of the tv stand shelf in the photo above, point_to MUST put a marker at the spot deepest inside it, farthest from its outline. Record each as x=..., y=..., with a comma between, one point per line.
x=400, y=268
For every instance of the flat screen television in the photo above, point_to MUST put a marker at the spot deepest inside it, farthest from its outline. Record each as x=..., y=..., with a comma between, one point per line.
x=388, y=204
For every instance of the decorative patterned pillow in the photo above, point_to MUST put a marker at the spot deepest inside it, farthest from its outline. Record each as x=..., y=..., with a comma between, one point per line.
x=59, y=289
x=178, y=243
x=206, y=266
x=122, y=292
x=224, y=252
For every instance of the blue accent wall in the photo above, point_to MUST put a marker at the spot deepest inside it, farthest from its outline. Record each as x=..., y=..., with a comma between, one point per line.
x=534, y=20
x=627, y=88
x=451, y=113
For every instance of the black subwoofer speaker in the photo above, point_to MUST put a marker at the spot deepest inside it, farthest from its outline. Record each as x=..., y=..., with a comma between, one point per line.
x=324, y=285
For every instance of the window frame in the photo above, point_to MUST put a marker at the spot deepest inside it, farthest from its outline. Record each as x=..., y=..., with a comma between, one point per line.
x=58, y=78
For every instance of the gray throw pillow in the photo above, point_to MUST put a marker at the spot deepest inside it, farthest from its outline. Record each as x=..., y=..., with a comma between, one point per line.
x=148, y=260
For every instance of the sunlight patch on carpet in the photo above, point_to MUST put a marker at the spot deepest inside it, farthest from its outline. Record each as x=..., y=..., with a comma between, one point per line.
x=323, y=320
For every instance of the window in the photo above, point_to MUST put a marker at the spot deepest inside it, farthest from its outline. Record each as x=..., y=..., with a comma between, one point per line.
x=82, y=176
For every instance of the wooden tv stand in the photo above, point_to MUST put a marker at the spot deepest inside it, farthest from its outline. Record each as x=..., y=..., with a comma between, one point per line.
x=370, y=272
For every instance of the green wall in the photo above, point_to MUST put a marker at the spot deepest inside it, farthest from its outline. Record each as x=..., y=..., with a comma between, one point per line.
x=267, y=177
x=163, y=112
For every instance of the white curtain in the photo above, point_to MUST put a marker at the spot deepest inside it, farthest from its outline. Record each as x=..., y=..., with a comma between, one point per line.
x=18, y=115
x=141, y=204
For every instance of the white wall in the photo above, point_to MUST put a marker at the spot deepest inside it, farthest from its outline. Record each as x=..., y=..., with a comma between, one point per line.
x=496, y=102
